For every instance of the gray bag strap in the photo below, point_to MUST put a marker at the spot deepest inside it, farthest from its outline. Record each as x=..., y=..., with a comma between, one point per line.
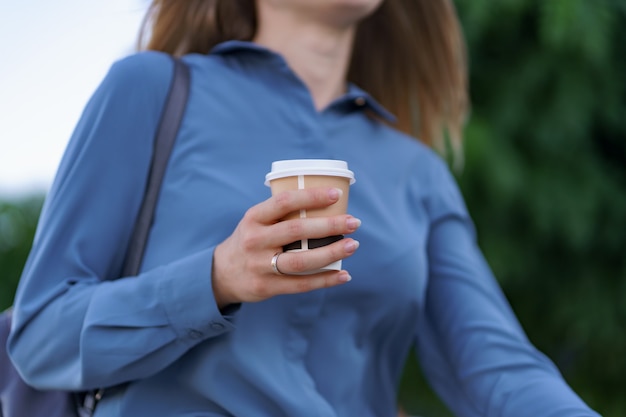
x=171, y=118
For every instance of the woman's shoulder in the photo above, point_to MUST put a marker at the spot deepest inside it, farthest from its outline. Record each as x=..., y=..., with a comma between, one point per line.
x=430, y=171
x=147, y=71
x=144, y=63
x=412, y=149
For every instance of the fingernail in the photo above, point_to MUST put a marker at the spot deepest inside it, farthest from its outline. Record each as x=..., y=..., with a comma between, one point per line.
x=344, y=277
x=353, y=223
x=335, y=193
x=351, y=245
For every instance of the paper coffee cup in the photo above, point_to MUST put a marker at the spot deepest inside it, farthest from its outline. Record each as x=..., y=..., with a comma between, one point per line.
x=294, y=174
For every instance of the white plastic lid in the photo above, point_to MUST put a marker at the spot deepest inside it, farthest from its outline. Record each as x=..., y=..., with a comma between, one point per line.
x=295, y=167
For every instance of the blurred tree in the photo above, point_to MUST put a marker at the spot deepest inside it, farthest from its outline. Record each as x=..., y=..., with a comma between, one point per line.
x=545, y=180
x=17, y=228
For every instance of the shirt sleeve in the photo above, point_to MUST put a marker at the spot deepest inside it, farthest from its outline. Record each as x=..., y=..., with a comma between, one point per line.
x=75, y=327
x=471, y=347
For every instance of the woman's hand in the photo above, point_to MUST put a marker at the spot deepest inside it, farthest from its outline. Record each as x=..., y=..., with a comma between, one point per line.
x=242, y=270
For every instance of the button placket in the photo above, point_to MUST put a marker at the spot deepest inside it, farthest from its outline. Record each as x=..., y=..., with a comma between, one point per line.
x=217, y=326
x=195, y=334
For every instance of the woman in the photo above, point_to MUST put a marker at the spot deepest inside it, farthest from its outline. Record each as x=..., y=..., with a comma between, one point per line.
x=210, y=327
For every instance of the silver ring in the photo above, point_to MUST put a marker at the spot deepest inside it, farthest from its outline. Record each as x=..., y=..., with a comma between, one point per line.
x=274, y=263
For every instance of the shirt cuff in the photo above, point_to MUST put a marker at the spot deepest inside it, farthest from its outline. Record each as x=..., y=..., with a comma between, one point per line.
x=186, y=291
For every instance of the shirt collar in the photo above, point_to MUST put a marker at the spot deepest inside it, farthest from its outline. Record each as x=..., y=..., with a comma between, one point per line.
x=362, y=99
x=355, y=95
x=235, y=45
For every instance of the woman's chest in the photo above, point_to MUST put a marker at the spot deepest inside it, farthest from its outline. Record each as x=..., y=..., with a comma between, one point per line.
x=217, y=172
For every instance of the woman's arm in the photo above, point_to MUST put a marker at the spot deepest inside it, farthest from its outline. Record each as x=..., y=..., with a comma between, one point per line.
x=73, y=329
x=470, y=344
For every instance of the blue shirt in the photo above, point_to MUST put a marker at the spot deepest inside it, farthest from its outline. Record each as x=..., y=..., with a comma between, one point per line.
x=419, y=278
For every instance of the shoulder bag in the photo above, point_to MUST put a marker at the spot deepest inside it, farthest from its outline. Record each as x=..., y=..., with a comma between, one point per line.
x=17, y=399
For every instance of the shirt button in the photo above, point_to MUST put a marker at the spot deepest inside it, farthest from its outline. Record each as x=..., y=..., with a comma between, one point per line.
x=217, y=326
x=195, y=334
x=359, y=101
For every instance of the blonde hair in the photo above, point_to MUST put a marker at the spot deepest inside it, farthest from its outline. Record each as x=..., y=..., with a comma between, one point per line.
x=409, y=55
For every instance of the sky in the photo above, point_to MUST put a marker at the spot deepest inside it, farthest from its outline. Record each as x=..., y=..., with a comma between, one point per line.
x=53, y=55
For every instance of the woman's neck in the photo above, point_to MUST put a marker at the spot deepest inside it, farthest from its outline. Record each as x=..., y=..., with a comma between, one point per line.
x=318, y=54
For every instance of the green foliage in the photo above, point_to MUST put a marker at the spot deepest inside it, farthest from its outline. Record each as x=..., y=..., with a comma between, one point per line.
x=17, y=229
x=544, y=179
